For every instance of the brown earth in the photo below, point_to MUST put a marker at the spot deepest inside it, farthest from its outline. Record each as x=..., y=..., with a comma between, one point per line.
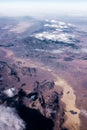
x=69, y=82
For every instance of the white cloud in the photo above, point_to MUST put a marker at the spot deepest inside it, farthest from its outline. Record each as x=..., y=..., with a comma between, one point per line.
x=56, y=33
x=9, y=120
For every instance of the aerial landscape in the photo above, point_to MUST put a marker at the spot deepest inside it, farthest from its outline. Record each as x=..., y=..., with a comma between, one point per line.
x=43, y=65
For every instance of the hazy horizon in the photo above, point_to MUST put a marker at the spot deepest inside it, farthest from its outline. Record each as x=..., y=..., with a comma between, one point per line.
x=38, y=7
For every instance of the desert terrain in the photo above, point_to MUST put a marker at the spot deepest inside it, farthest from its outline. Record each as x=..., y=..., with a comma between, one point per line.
x=43, y=69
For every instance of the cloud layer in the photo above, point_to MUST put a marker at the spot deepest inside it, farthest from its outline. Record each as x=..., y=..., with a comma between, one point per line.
x=27, y=8
x=9, y=120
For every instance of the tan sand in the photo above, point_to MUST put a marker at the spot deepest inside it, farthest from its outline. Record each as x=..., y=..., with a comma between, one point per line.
x=73, y=121
x=21, y=27
x=69, y=99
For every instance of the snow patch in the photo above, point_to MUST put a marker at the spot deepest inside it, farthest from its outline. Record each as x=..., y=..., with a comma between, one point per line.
x=9, y=92
x=57, y=32
x=64, y=37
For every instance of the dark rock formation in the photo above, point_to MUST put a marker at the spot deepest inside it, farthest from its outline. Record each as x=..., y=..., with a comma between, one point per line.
x=35, y=108
x=28, y=71
x=40, y=106
x=34, y=119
